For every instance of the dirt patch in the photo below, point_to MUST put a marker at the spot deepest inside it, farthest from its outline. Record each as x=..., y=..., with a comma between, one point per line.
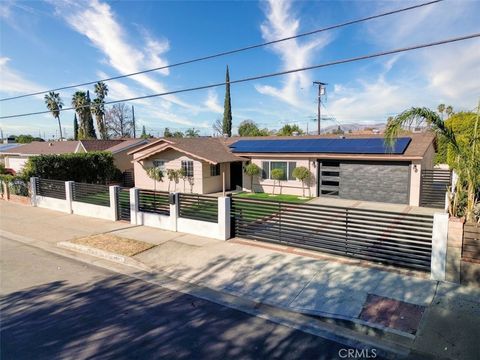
x=114, y=244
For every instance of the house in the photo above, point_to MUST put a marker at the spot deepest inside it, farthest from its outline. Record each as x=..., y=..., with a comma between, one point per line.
x=352, y=167
x=208, y=163
x=15, y=158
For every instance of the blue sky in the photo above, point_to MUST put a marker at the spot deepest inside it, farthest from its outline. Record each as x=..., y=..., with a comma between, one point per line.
x=54, y=43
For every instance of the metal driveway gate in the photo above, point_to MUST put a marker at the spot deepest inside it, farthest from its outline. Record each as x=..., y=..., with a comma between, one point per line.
x=392, y=238
x=123, y=203
x=433, y=187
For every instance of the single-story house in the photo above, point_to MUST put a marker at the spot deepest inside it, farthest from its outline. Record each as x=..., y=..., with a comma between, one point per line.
x=15, y=158
x=349, y=167
x=208, y=163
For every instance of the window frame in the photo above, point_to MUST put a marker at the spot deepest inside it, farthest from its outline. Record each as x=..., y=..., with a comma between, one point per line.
x=215, y=170
x=288, y=175
x=185, y=166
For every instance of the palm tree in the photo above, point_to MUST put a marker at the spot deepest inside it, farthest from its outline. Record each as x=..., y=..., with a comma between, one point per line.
x=79, y=102
x=98, y=108
x=441, y=109
x=466, y=163
x=449, y=111
x=54, y=104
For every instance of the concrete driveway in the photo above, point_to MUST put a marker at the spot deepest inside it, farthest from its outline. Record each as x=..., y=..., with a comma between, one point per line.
x=371, y=205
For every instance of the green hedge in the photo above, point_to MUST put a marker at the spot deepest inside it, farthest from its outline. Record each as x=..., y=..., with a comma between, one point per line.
x=92, y=167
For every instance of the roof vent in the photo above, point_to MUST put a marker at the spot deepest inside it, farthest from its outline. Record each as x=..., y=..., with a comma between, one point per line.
x=50, y=144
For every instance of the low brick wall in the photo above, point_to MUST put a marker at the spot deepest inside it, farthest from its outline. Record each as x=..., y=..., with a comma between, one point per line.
x=470, y=263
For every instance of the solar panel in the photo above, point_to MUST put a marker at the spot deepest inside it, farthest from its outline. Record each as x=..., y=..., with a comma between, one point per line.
x=329, y=146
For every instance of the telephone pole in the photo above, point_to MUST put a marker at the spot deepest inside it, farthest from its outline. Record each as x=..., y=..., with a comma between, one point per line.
x=321, y=91
x=133, y=119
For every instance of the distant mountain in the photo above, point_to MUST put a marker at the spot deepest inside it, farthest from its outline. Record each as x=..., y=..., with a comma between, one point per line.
x=352, y=127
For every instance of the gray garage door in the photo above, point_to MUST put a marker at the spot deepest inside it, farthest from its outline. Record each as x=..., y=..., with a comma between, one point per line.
x=368, y=181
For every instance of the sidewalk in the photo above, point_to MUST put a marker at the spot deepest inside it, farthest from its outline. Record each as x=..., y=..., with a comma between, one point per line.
x=379, y=298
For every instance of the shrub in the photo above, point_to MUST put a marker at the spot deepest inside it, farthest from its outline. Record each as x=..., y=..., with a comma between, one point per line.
x=252, y=170
x=92, y=167
x=303, y=174
x=277, y=175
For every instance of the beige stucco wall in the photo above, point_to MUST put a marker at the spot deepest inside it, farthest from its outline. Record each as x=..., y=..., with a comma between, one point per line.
x=123, y=161
x=203, y=183
x=416, y=168
x=291, y=187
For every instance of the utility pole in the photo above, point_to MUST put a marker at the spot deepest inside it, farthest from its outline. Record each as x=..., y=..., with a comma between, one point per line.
x=321, y=91
x=133, y=119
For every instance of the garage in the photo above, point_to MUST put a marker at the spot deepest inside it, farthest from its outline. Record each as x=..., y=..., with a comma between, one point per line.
x=364, y=180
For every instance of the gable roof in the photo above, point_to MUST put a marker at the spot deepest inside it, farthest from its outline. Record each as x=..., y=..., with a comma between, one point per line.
x=212, y=150
x=127, y=144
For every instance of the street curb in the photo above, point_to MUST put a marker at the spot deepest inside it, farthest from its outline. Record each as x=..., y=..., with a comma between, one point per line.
x=107, y=255
x=386, y=345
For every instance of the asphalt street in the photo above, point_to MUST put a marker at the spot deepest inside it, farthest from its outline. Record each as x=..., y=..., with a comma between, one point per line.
x=54, y=307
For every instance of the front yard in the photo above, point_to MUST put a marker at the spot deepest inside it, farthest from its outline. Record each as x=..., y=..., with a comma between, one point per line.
x=265, y=196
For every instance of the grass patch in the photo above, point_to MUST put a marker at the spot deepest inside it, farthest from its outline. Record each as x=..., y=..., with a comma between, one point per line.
x=114, y=244
x=265, y=196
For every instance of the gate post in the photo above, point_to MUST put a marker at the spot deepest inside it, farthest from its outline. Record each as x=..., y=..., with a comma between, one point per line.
x=439, y=246
x=134, y=206
x=113, y=191
x=174, y=207
x=224, y=217
x=69, y=195
x=33, y=190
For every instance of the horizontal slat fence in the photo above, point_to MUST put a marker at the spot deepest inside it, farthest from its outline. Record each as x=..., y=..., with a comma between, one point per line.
x=51, y=188
x=153, y=202
x=434, y=185
x=198, y=207
x=91, y=194
x=471, y=242
x=393, y=238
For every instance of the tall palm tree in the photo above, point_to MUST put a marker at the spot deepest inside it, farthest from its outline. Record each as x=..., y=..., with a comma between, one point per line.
x=54, y=104
x=466, y=163
x=98, y=108
x=79, y=102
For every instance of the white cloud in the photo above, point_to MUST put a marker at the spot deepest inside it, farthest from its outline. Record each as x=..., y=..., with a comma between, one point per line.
x=212, y=102
x=281, y=23
x=98, y=23
x=13, y=82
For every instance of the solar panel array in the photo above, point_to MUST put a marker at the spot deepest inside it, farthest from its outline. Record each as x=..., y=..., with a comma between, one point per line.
x=325, y=145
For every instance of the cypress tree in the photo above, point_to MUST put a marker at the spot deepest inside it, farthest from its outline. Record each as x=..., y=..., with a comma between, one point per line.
x=227, y=107
x=75, y=127
x=89, y=127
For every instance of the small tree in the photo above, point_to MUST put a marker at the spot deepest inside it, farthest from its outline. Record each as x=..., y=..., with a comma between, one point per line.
x=192, y=132
x=182, y=174
x=303, y=174
x=277, y=175
x=156, y=174
x=172, y=175
x=252, y=170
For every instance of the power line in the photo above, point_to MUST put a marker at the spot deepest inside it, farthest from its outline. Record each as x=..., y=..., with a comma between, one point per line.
x=229, y=52
x=258, y=77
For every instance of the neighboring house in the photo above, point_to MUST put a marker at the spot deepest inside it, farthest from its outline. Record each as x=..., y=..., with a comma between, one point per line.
x=207, y=162
x=17, y=157
x=6, y=147
x=352, y=167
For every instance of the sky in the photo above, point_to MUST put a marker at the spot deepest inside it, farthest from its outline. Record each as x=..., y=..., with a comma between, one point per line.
x=48, y=44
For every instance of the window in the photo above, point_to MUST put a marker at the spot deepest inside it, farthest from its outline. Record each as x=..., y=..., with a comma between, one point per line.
x=214, y=170
x=283, y=165
x=287, y=167
x=265, y=169
x=159, y=164
x=187, y=166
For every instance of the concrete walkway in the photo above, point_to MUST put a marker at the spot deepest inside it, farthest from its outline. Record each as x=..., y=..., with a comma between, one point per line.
x=448, y=315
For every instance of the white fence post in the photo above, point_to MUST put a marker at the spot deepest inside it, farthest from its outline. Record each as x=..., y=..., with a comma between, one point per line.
x=113, y=201
x=134, y=206
x=33, y=190
x=69, y=196
x=174, y=211
x=439, y=246
x=224, y=217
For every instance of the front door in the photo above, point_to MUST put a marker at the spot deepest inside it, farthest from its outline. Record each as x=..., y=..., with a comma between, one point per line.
x=236, y=175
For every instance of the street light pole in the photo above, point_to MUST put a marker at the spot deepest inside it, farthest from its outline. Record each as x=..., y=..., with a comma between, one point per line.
x=321, y=91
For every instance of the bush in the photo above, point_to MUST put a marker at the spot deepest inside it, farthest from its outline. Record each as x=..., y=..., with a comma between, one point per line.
x=17, y=185
x=92, y=167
